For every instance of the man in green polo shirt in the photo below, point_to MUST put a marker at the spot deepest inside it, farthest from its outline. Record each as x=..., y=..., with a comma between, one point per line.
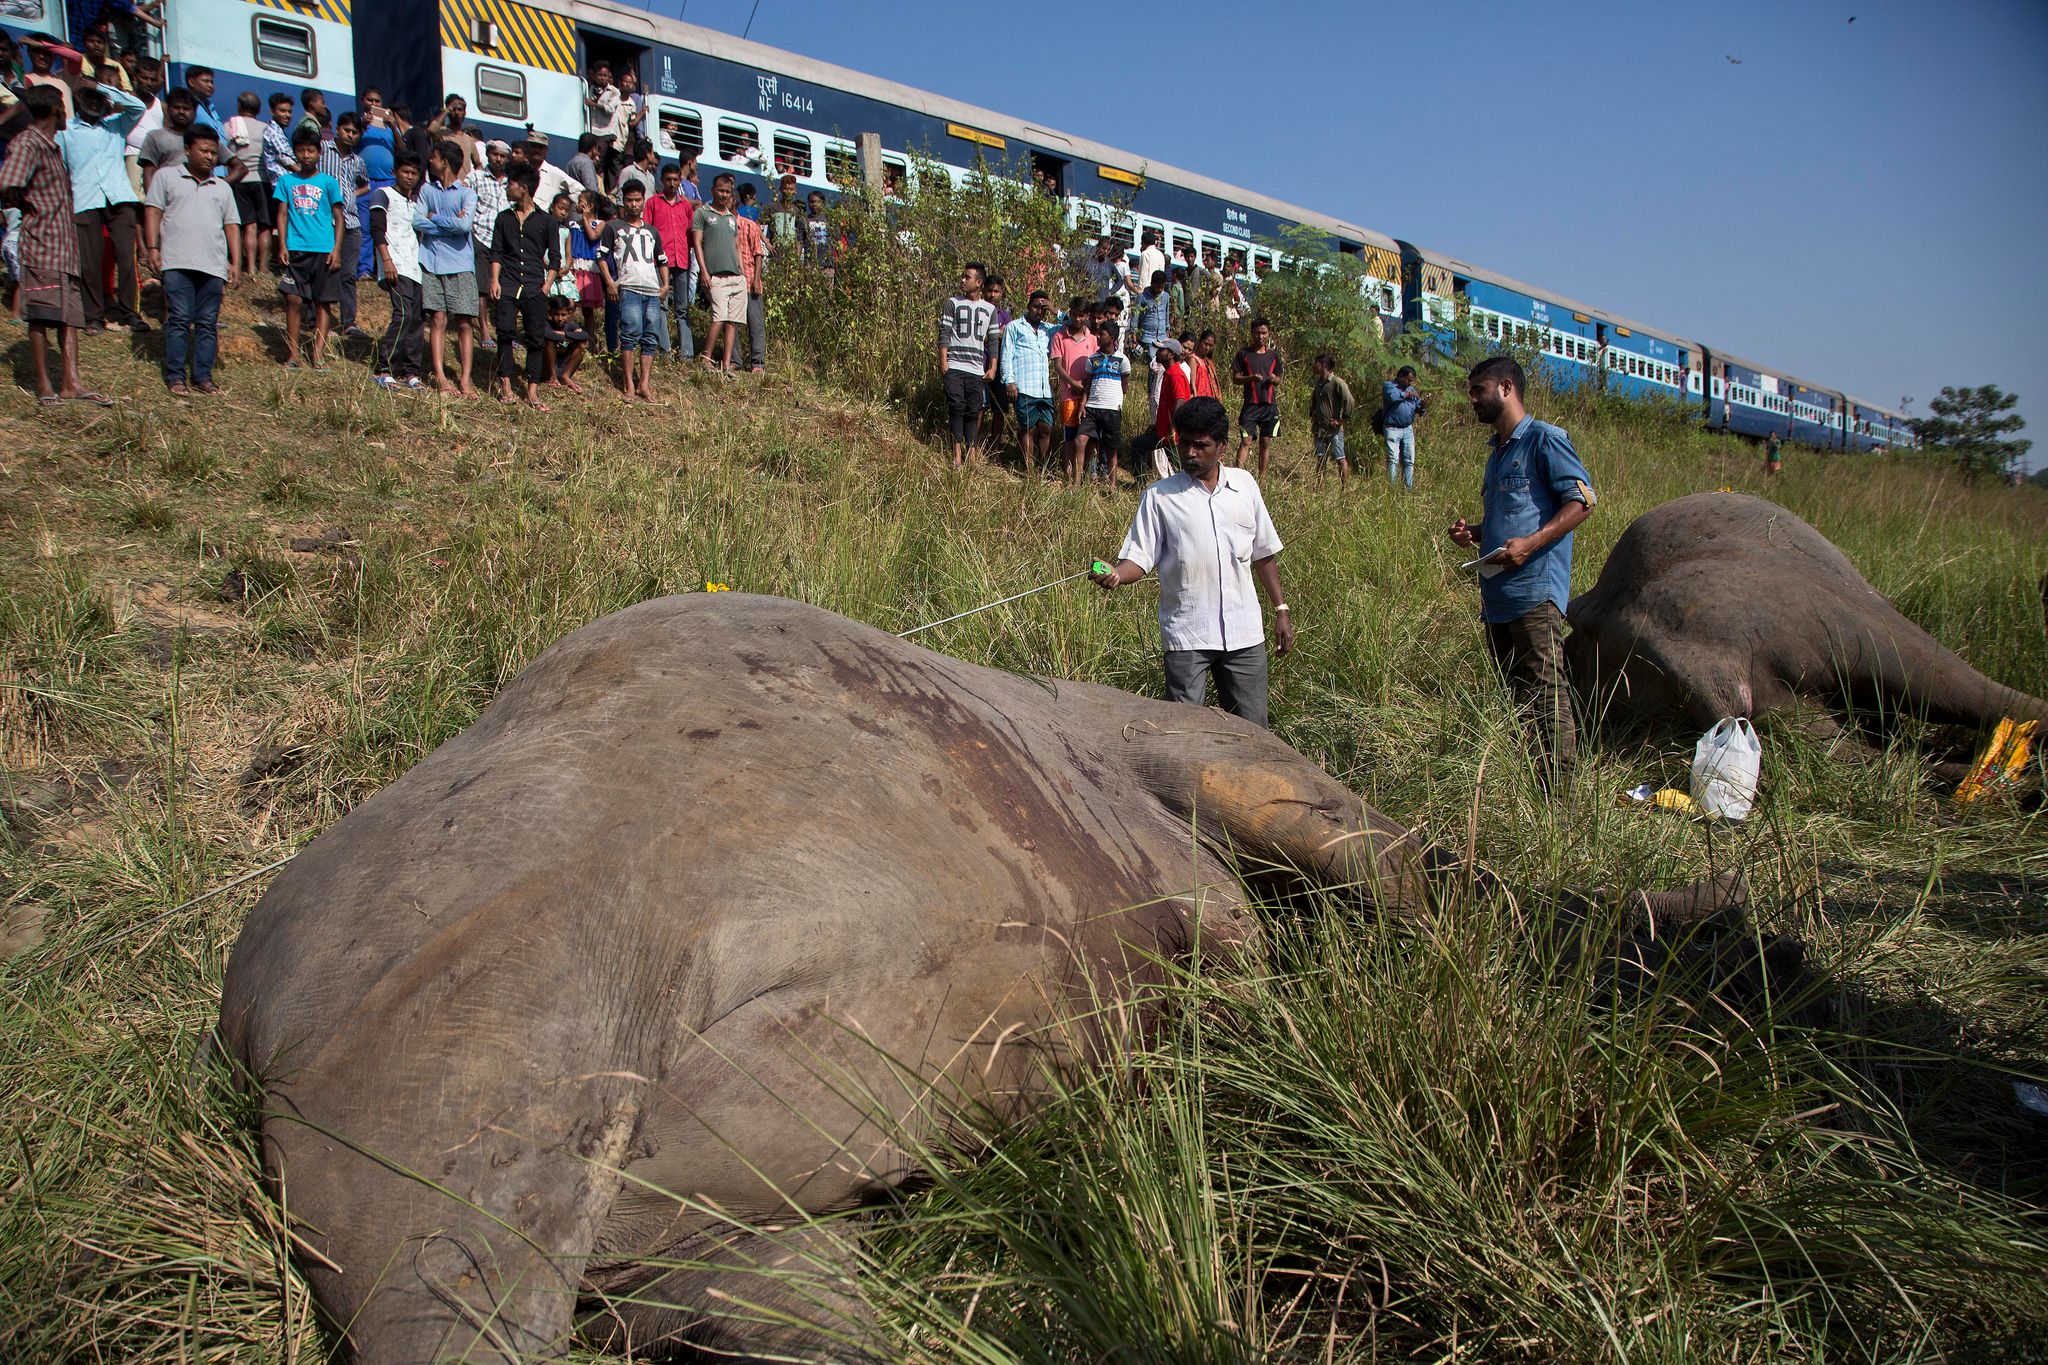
x=715, y=245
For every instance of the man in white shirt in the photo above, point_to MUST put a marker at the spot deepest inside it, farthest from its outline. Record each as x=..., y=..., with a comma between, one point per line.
x=1206, y=530
x=601, y=105
x=1151, y=260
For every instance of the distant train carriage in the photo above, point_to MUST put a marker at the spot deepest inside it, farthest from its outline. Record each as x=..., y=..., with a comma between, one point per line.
x=759, y=112
x=1576, y=342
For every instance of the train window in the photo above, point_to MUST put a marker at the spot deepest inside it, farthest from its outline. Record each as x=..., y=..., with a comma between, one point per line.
x=1181, y=239
x=793, y=155
x=282, y=45
x=682, y=130
x=842, y=163
x=738, y=141
x=1212, y=253
x=500, y=92
x=1237, y=262
x=894, y=174
x=1124, y=234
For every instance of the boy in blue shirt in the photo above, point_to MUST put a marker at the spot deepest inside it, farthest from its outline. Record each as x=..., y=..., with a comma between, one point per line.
x=309, y=226
x=1536, y=493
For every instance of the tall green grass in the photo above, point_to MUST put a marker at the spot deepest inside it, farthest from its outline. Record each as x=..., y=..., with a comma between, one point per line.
x=1446, y=1141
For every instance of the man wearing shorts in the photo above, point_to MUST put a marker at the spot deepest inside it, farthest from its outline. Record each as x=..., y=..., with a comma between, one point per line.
x=1070, y=348
x=1027, y=379
x=244, y=147
x=965, y=321
x=635, y=270
x=309, y=226
x=35, y=181
x=1329, y=408
x=715, y=246
x=1257, y=370
x=448, y=264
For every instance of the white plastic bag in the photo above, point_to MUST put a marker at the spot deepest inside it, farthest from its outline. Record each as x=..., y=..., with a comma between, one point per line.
x=1725, y=766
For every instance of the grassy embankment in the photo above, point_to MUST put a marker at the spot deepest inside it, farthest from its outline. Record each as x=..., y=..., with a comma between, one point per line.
x=1387, y=1143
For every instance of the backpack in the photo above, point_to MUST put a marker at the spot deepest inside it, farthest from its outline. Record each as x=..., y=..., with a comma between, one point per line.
x=1379, y=421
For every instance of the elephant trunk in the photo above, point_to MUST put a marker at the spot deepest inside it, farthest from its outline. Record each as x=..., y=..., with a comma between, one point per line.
x=1936, y=683
x=1248, y=792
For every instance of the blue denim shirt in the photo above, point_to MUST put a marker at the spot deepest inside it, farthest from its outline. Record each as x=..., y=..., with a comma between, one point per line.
x=1400, y=404
x=1529, y=476
x=1155, y=320
x=446, y=234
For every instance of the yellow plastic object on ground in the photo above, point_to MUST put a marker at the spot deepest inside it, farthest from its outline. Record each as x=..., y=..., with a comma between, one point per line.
x=1670, y=798
x=2002, y=761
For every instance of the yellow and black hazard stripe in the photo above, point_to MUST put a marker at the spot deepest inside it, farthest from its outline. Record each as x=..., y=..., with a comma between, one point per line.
x=333, y=11
x=527, y=36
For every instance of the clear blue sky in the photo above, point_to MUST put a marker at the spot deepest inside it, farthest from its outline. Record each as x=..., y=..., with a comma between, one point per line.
x=1863, y=204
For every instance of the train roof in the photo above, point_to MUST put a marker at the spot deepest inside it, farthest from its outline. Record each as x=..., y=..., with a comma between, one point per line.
x=1476, y=272
x=626, y=19
x=1875, y=407
x=1776, y=372
x=1507, y=282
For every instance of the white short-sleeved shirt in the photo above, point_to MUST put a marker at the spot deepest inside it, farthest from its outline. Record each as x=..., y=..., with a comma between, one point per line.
x=1202, y=545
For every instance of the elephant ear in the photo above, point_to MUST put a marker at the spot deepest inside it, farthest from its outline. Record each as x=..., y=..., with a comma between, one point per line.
x=1250, y=793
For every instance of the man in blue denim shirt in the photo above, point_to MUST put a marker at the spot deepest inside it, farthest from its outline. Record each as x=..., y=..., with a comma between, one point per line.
x=1536, y=493
x=1400, y=405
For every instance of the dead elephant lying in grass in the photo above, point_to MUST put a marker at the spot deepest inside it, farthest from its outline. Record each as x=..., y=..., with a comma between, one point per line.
x=712, y=902
x=1723, y=604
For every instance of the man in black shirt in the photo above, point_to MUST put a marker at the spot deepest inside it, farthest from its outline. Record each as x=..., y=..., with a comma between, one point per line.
x=524, y=247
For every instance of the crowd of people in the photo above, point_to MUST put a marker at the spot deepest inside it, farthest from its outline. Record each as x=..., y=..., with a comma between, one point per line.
x=1062, y=377
x=480, y=244
x=106, y=175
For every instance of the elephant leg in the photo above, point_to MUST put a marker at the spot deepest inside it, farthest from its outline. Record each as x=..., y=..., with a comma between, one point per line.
x=733, y=1293
x=471, y=1252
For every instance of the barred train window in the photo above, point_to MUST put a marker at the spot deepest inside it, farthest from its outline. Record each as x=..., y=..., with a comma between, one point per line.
x=683, y=129
x=734, y=138
x=842, y=163
x=281, y=45
x=793, y=155
x=500, y=92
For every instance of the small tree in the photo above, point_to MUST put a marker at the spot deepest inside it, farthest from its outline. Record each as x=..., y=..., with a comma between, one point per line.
x=1974, y=428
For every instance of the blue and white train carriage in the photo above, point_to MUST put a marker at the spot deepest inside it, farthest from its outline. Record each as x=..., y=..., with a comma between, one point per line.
x=1583, y=344
x=756, y=111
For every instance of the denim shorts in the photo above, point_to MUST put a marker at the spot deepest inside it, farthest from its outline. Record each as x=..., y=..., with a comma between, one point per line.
x=1330, y=445
x=640, y=322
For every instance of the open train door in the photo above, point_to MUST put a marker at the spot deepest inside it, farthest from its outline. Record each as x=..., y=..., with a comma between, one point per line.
x=398, y=52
